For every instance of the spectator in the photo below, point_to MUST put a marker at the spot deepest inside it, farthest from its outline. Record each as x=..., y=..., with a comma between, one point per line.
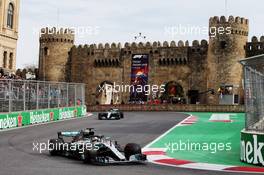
x=9, y=76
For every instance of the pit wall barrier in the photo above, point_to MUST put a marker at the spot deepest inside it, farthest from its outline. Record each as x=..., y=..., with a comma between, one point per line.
x=171, y=107
x=25, y=118
x=252, y=148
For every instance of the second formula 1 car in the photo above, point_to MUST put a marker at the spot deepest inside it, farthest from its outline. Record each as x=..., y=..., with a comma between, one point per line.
x=112, y=114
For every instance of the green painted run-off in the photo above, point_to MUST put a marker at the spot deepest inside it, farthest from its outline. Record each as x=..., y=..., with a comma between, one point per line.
x=209, y=135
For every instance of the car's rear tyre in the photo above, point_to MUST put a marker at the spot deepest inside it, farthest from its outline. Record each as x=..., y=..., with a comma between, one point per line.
x=55, y=147
x=132, y=149
x=90, y=156
x=99, y=117
x=86, y=157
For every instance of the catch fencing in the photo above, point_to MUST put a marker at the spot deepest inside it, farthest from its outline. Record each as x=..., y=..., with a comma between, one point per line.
x=20, y=95
x=254, y=92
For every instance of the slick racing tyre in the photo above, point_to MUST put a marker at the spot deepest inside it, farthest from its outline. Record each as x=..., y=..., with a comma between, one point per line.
x=121, y=115
x=87, y=157
x=90, y=157
x=132, y=149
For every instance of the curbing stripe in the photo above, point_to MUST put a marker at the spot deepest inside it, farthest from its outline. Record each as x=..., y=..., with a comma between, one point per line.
x=162, y=159
x=245, y=169
x=206, y=166
x=154, y=153
x=173, y=162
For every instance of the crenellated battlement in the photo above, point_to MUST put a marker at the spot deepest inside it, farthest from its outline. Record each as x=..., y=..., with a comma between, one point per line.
x=168, y=53
x=255, y=39
x=231, y=20
x=237, y=25
x=140, y=45
x=255, y=46
x=56, y=35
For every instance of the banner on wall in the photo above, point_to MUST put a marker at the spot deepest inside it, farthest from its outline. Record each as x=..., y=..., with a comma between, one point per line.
x=252, y=148
x=18, y=119
x=139, y=77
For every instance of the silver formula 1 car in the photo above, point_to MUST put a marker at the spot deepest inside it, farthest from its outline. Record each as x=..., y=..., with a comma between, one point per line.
x=112, y=114
x=90, y=148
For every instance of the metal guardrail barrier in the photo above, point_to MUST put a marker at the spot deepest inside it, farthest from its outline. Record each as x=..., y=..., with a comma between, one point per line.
x=20, y=95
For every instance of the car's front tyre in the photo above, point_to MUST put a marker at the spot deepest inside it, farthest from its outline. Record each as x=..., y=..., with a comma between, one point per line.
x=132, y=149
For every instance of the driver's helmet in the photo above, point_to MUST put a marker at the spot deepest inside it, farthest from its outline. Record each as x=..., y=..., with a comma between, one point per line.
x=88, y=133
x=95, y=139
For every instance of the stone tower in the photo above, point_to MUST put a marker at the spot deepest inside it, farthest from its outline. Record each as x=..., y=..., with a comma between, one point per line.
x=227, y=39
x=55, y=45
x=9, y=18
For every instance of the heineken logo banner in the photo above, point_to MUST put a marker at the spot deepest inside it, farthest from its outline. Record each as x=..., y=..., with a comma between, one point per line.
x=252, y=148
x=13, y=120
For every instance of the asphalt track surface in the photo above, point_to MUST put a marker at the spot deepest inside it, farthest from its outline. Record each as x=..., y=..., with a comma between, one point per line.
x=18, y=158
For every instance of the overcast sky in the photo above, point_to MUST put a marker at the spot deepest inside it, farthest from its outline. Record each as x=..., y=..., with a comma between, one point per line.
x=121, y=20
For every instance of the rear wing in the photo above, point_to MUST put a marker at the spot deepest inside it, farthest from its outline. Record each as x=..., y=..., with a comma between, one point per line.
x=68, y=134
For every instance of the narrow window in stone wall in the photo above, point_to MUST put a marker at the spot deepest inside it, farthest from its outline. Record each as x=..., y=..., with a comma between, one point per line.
x=5, y=60
x=46, y=51
x=11, y=57
x=10, y=16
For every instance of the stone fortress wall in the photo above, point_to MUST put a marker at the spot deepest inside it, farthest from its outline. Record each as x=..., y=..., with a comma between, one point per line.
x=198, y=66
x=53, y=57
